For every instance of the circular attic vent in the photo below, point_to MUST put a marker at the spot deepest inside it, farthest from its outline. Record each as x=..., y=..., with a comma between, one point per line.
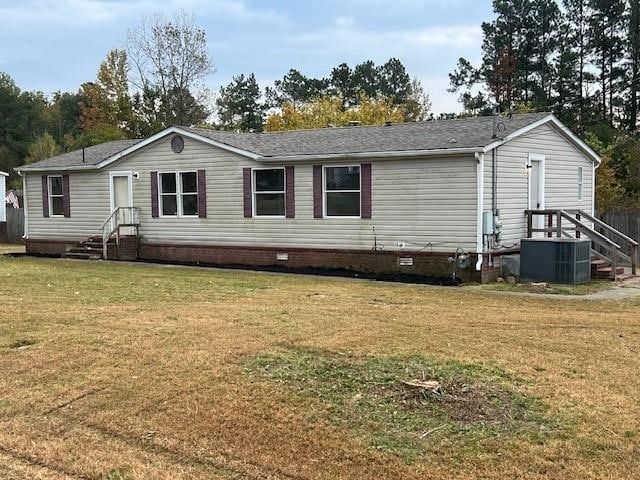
x=177, y=144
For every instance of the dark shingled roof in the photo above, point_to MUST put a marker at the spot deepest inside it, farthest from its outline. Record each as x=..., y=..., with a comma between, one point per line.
x=417, y=136
x=92, y=155
x=434, y=135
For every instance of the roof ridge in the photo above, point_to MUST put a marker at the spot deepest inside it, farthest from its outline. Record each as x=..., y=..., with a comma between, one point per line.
x=376, y=125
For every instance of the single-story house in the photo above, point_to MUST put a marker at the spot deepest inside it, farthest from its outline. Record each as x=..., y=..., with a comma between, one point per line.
x=423, y=198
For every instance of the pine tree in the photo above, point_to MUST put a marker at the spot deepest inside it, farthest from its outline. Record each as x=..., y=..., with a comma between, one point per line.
x=606, y=45
x=633, y=64
x=239, y=106
x=576, y=50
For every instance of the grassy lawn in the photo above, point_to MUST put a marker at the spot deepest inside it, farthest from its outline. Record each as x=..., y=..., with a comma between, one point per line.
x=116, y=372
x=552, y=288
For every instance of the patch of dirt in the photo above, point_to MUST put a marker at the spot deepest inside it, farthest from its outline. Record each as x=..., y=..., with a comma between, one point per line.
x=460, y=402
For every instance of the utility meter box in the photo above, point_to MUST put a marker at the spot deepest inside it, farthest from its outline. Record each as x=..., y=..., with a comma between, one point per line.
x=487, y=222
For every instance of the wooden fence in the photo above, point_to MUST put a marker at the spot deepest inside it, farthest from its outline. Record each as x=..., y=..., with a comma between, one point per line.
x=627, y=222
x=15, y=224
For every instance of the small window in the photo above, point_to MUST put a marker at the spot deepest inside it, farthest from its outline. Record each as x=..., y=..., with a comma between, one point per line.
x=580, y=182
x=269, y=192
x=189, y=193
x=56, y=196
x=342, y=191
x=169, y=194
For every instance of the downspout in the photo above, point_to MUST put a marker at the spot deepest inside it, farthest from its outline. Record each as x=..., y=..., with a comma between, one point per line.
x=25, y=235
x=494, y=183
x=479, y=207
x=593, y=189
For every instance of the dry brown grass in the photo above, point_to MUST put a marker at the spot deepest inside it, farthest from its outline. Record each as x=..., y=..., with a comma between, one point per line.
x=131, y=372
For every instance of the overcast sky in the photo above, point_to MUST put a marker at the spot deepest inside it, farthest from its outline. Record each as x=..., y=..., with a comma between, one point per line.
x=53, y=45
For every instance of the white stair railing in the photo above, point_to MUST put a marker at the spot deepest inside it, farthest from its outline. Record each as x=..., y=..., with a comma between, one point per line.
x=120, y=217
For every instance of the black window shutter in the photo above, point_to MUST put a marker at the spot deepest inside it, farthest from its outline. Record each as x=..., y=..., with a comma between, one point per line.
x=365, y=190
x=317, y=191
x=290, y=194
x=246, y=187
x=45, y=196
x=202, y=194
x=155, y=211
x=66, y=200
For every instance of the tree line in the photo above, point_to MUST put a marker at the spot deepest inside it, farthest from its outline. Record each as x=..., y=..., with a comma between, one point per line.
x=579, y=59
x=158, y=80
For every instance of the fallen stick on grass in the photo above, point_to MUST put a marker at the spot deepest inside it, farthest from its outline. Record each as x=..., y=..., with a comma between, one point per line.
x=435, y=429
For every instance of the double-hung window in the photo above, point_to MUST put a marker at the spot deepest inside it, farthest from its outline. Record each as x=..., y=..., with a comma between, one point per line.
x=342, y=191
x=179, y=194
x=188, y=194
x=580, y=182
x=56, y=195
x=269, y=192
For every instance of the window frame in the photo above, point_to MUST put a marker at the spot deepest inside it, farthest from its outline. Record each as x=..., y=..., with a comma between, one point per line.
x=255, y=193
x=580, y=183
x=51, y=196
x=325, y=213
x=178, y=194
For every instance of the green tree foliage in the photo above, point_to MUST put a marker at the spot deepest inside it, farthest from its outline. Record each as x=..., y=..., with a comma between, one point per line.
x=632, y=66
x=239, y=105
x=295, y=89
x=366, y=80
x=579, y=59
x=44, y=147
x=328, y=111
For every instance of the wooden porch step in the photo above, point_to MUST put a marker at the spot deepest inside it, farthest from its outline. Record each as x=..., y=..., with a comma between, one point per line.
x=625, y=276
x=85, y=249
x=82, y=255
x=605, y=272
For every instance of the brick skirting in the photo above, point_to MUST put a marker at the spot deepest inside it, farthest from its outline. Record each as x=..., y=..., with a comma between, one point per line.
x=434, y=265
x=50, y=248
x=366, y=262
x=127, y=250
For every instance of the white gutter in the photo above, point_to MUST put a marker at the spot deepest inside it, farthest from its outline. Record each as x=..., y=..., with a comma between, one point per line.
x=371, y=155
x=479, y=208
x=288, y=158
x=21, y=170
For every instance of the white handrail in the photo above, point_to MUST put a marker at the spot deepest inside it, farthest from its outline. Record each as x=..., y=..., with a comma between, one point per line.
x=119, y=217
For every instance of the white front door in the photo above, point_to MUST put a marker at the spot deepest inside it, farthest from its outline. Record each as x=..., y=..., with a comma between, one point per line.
x=121, y=196
x=536, y=187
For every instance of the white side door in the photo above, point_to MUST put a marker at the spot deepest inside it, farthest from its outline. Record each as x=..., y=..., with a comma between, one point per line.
x=535, y=168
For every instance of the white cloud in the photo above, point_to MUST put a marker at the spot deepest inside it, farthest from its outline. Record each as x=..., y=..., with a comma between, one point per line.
x=83, y=13
x=344, y=22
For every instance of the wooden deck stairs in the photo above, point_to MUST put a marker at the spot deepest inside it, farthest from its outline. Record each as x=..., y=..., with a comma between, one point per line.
x=611, y=250
x=96, y=247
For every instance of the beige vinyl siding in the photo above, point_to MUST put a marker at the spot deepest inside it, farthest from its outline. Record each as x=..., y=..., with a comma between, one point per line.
x=429, y=204
x=89, y=205
x=562, y=160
